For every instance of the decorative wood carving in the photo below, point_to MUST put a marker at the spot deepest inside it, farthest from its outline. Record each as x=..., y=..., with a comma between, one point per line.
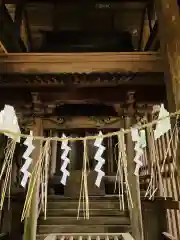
x=106, y=122
x=82, y=122
x=80, y=80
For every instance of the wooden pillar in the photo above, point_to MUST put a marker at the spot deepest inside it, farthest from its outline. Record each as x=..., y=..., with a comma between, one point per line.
x=135, y=211
x=53, y=155
x=169, y=32
x=110, y=159
x=169, y=21
x=73, y=154
x=31, y=221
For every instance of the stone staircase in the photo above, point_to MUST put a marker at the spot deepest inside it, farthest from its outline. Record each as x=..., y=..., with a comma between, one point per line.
x=105, y=217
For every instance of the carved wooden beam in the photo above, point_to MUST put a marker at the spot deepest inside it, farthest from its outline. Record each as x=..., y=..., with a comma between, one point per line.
x=82, y=122
x=54, y=81
x=109, y=95
x=81, y=62
x=25, y=119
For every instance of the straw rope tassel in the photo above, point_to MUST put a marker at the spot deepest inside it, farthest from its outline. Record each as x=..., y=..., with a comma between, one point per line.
x=120, y=176
x=7, y=166
x=47, y=159
x=124, y=163
x=85, y=180
x=33, y=180
x=84, y=185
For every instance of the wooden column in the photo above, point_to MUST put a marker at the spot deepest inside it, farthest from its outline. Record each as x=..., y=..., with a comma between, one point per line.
x=169, y=32
x=73, y=154
x=135, y=211
x=31, y=221
x=53, y=155
x=169, y=24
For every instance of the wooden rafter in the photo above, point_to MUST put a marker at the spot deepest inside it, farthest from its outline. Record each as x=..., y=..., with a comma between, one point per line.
x=150, y=9
x=141, y=29
x=153, y=41
x=7, y=28
x=28, y=31
x=2, y=48
x=18, y=19
x=81, y=62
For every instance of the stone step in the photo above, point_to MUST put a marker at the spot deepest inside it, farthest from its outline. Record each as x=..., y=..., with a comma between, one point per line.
x=49, y=229
x=91, y=198
x=123, y=220
x=106, y=204
x=92, y=212
x=88, y=236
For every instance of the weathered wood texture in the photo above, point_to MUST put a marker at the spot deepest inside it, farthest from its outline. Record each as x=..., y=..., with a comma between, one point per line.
x=135, y=211
x=168, y=15
x=169, y=22
x=31, y=221
x=81, y=62
x=154, y=219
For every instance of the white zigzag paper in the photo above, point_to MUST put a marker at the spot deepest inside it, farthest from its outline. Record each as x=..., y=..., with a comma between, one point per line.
x=100, y=160
x=140, y=140
x=66, y=160
x=28, y=160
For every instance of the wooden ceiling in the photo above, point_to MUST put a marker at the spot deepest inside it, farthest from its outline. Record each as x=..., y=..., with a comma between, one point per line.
x=91, y=15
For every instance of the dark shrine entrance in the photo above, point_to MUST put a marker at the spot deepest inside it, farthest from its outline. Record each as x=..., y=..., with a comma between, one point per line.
x=72, y=188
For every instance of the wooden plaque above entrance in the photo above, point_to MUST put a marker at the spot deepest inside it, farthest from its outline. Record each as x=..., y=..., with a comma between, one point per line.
x=81, y=62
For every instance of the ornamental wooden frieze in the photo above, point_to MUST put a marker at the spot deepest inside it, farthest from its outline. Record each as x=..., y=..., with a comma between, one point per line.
x=85, y=80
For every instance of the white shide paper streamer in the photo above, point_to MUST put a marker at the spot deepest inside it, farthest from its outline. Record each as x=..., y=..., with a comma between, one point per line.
x=9, y=122
x=101, y=161
x=140, y=139
x=164, y=125
x=28, y=159
x=66, y=160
